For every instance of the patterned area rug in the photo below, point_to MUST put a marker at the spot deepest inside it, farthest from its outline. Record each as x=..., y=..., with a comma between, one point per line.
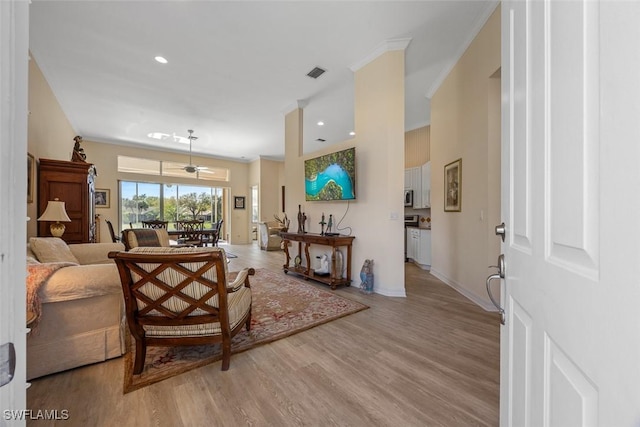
x=282, y=306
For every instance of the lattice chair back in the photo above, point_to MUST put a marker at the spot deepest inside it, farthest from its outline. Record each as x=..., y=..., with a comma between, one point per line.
x=155, y=224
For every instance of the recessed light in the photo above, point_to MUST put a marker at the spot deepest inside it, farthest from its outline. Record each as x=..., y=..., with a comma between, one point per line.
x=352, y=133
x=161, y=59
x=320, y=123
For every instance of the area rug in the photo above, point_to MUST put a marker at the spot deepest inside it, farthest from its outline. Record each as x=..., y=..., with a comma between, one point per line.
x=282, y=306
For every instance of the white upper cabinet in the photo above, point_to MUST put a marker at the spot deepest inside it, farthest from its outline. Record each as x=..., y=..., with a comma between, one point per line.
x=418, y=179
x=425, y=174
x=416, y=186
x=407, y=179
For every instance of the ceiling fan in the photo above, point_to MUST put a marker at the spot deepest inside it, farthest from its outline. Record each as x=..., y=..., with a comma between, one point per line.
x=191, y=168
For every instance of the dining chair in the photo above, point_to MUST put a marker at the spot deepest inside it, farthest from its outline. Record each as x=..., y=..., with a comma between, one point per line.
x=114, y=236
x=155, y=223
x=191, y=232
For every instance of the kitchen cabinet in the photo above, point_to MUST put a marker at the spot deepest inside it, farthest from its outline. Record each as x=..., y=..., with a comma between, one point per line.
x=425, y=176
x=419, y=246
x=418, y=179
x=416, y=186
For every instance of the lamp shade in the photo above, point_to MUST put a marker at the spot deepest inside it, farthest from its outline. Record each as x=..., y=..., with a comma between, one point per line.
x=55, y=212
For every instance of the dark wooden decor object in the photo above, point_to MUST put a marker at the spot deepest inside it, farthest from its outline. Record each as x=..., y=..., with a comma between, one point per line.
x=153, y=310
x=72, y=183
x=334, y=279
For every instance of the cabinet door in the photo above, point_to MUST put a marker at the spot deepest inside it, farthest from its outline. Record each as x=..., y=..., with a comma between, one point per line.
x=424, y=253
x=416, y=186
x=411, y=253
x=426, y=185
x=407, y=179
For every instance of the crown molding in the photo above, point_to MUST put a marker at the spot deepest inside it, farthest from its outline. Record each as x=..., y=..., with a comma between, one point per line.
x=384, y=47
x=300, y=103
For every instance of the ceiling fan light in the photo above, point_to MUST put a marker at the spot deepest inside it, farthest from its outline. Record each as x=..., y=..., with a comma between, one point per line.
x=191, y=169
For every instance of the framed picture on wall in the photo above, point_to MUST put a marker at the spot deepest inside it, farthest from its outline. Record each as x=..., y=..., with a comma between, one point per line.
x=238, y=202
x=102, y=197
x=453, y=186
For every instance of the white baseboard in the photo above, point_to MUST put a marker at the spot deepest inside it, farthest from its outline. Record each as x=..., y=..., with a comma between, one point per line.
x=390, y=292
x=484, y=304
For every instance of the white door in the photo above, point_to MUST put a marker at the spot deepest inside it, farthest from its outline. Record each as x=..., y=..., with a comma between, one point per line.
x=14, y=40
x=570, y=348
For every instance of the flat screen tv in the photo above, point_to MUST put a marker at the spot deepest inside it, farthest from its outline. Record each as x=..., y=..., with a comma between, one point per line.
x=331, y=177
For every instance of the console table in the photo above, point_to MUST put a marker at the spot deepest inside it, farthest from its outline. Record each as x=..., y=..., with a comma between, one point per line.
x=335, y=277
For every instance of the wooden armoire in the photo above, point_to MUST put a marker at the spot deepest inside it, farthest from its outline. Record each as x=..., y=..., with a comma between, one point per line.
x=72, y=183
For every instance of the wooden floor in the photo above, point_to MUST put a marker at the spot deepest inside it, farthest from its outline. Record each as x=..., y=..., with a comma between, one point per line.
x=431, y=359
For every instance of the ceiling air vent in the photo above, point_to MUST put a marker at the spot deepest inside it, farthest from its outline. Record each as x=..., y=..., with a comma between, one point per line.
x=321, y=140
x=316, y=72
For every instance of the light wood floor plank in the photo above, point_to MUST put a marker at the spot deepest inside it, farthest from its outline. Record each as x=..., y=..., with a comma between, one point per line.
x=431, y=359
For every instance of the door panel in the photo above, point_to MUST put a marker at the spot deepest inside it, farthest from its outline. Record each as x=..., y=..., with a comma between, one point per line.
x=571, y=107
x=571, y=398
x=518, y=87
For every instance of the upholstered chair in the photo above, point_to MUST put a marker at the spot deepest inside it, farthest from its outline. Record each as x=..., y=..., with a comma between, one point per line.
x=135, y=237
x=182, y=296
x=270, y=239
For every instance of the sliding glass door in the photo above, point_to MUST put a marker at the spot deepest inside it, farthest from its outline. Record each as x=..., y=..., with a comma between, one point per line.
x=144, y=201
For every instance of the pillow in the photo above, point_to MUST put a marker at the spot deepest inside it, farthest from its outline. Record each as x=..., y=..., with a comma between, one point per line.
x=52, y=249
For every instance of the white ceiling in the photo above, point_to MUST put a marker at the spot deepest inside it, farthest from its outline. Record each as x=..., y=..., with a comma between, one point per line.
x=235, y=68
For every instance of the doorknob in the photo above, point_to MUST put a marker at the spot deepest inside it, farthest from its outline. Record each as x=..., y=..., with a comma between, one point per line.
x=499, y=275
x=501, y=231
x=7, y=363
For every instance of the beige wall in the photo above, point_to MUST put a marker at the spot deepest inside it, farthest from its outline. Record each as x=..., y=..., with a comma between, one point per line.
x=379, y=142
x=463, y=125
x=417, y=147
x=270, y=189
x=105, y=158
x=268, y=175
x=51, y=136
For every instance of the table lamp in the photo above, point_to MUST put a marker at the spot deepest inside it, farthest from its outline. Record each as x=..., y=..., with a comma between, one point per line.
x=55, y=212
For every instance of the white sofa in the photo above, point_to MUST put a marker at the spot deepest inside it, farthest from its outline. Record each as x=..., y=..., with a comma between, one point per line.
x=82, y=317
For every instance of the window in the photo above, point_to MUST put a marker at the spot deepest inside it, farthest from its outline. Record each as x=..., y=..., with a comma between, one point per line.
x=166, y=168
x=142, y=201
x=254, y=203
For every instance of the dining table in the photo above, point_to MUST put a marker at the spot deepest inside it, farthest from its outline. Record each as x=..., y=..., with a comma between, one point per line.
x=209, y=234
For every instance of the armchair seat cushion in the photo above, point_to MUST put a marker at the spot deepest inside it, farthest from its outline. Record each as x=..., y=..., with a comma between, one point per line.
x=239, y=303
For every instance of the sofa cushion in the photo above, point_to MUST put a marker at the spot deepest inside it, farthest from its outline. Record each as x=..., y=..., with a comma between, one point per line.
x=51, y=249
x=81, y=281
x=94, y=253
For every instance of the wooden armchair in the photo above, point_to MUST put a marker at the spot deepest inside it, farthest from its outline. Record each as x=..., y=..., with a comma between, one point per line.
x=181, y=296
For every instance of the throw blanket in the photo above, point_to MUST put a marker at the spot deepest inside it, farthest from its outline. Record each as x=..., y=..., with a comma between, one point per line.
x=37, y=275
